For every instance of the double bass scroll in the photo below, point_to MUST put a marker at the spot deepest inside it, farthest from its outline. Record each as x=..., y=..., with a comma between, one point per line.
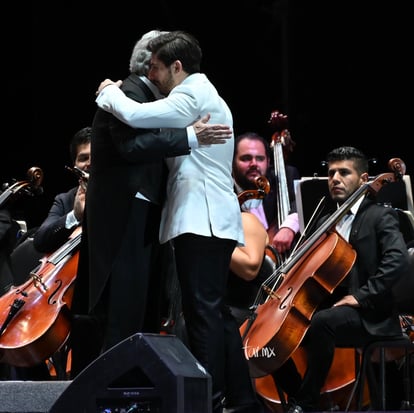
x=280, y=140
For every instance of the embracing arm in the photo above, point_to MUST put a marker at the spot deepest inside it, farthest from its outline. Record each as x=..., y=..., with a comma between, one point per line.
x=146, y=144
x=170, y=112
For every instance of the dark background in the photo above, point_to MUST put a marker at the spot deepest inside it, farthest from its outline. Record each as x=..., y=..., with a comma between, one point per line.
x=340, y=70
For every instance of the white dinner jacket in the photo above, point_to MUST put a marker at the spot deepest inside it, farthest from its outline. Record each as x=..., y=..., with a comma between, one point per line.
x=200, y=195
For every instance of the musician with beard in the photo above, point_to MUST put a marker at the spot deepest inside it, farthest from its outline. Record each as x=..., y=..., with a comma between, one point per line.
x=251, y=159
x=253, y=263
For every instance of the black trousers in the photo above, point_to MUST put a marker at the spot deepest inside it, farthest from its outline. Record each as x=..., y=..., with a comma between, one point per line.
x=332, y=327
x=213, y=333
x=131, y=299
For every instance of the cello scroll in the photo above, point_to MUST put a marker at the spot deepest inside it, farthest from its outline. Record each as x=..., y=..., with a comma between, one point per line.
x=263, y=188
x=31, y=186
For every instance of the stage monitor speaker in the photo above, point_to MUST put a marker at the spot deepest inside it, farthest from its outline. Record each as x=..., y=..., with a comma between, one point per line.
x=144, y=373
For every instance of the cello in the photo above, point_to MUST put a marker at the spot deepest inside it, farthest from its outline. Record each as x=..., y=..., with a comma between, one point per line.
x=342, y=374
x=35, y=317
x=263, y=188
x=276, y=328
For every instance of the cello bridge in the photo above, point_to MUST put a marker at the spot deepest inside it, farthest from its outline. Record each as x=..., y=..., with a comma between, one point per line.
x=271, y=293
x=37, y=279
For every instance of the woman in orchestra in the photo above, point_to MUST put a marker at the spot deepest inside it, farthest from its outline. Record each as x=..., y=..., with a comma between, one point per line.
x=253, y=263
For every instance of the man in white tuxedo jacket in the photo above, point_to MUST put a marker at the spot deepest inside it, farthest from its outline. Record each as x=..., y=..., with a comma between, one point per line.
x=201, y=214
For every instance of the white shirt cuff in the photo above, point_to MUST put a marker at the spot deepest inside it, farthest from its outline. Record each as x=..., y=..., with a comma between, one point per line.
x=192, y=138
x=292, y=222
x=71, y=220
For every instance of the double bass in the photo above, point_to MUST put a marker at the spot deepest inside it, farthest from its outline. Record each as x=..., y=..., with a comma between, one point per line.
x=281, y=143
x=276, y=328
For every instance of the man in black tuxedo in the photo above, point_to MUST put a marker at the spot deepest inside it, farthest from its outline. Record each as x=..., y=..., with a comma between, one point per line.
x=120, y=261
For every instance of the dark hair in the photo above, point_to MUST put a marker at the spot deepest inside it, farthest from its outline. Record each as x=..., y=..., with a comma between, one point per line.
x=178, y=45
x=349, y=153
x=253, y=136
x=81, y=137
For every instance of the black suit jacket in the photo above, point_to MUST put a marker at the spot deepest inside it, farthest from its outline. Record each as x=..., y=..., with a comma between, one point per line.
x=124, y=161
x=381, y=259
x=52, y=232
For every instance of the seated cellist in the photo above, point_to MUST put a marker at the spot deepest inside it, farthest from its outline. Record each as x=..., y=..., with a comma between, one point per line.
x=361, y=308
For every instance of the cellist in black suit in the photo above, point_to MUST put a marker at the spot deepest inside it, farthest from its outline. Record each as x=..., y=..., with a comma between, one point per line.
x=361, y=307
x=66, y=212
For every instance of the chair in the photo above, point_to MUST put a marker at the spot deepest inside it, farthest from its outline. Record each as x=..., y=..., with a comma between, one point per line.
x=24, y=258
x=377, y=387
x=403, y=294
x=403, y=290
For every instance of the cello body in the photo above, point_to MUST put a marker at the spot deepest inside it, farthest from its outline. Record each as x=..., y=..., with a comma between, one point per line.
x=35, y=319
x=334, y=393
x=282, y=321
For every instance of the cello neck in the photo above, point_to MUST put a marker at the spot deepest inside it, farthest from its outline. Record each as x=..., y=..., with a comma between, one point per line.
x=370, y=187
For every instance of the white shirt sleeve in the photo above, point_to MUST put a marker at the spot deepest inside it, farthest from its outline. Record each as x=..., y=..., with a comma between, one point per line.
x=192, y=138
x=292, y=222
x=71, y=220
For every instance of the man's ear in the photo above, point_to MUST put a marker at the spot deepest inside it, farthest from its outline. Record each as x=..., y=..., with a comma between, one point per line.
x=365, y=177
x=178, y=67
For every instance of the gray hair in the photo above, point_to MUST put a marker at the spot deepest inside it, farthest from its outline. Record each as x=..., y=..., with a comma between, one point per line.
x=140, y=58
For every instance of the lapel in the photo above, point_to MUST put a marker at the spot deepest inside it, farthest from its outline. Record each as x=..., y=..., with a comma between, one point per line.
x=134, y=78
x=359, y=219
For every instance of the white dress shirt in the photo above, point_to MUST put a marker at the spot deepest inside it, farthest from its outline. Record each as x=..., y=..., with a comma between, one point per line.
x=343, y=227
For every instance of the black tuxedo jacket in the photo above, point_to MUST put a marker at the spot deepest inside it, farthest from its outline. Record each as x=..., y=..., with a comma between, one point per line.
x=124, y=161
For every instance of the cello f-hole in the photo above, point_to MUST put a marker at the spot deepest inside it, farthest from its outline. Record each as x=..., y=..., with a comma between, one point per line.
x=51, y=300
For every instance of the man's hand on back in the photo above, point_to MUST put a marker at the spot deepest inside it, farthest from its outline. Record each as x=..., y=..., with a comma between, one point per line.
x=210, y=134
